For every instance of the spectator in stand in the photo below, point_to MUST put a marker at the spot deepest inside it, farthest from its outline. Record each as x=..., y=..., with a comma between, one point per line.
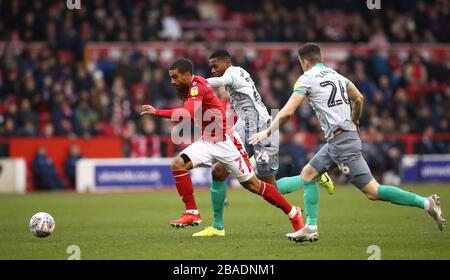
x=135, y=145
x=26, y=114
x=416, y=76
x=428, y=146
x=293, y=154
x=87, y=118
x=362, y=81
x=71, y=164
x=48, y=130
x=44, y=172
x=9, y=128
x=28, y=130
x=171, y=29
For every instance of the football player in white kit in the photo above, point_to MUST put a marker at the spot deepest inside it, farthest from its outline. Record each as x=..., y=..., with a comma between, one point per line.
x=253, y=117
x=338, y=106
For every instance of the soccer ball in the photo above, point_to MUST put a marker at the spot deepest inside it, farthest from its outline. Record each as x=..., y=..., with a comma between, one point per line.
x=42, y=224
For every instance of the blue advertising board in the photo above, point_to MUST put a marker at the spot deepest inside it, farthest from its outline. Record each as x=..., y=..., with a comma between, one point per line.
x=144, y=176
x=426, y=168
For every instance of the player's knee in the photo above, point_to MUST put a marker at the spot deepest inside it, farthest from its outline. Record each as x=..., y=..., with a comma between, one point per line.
x=219, y=173
x=308, y=174
x=178, y=164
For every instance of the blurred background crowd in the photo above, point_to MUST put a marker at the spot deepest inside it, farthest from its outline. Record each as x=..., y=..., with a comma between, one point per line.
x=207, y=20
x=52, y=91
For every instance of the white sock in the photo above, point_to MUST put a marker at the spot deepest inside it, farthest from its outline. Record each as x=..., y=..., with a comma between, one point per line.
x=195, y=211
x=293, y=212
x=313, y=227
x=426, y=205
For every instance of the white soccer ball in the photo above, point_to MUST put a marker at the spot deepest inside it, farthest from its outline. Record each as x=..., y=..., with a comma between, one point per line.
x=42, y=224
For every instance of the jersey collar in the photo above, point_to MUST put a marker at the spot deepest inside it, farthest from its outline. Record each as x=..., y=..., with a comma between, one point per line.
x=319, y=65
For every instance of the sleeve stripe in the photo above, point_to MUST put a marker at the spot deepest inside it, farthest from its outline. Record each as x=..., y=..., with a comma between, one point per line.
x=300, y=91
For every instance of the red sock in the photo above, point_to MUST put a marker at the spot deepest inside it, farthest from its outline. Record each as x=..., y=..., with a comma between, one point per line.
x=272, y=195
x=184, y=188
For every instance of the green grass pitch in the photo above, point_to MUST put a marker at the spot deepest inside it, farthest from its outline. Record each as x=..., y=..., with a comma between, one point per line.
x=135, y=226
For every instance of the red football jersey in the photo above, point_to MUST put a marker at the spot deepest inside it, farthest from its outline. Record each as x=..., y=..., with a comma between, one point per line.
x=205, y=109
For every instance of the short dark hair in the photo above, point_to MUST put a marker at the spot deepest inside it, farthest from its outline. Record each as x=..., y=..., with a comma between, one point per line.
x=221, y=54
x=183, y=65
x=310, y=52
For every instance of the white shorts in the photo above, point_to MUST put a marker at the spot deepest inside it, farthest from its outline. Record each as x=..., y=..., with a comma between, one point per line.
x=230, y=153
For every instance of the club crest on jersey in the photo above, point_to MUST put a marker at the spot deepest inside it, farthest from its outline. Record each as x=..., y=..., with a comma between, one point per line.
x=194, y=91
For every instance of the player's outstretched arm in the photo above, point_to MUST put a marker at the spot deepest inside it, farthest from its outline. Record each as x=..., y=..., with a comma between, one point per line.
x=147, y=109
x=191, y=105
x=150, y=110
x=281, y=119
x=357, y=100
x=216, y=82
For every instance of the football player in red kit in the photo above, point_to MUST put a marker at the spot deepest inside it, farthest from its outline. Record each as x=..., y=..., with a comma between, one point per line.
x=217, y=143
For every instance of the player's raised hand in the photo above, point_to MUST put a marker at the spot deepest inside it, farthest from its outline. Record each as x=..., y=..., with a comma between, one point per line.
x=258, y=137
x=148, y=109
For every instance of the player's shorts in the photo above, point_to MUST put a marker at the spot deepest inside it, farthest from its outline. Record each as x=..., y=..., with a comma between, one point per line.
x=344, y=151
x=230, y=153
x=266, y=152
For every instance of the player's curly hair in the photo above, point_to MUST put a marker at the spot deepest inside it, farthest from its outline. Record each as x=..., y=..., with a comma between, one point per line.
x=221, y=54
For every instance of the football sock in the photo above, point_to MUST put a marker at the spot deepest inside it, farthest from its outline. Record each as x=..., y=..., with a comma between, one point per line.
x=292, y=213
x=311, y=200
x=290, y=184
x=218, y=194
x=401, y=197
x=184, y=188
x=274, y=197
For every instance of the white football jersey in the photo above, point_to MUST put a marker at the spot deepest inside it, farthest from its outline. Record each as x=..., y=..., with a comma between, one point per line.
x=246, y=101
x=326, y=91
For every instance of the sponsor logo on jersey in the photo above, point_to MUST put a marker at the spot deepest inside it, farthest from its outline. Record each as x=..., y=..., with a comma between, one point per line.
x=194, y=91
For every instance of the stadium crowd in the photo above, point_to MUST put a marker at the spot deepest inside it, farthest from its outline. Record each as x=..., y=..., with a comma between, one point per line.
x=44, y=95
x=231, y=20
